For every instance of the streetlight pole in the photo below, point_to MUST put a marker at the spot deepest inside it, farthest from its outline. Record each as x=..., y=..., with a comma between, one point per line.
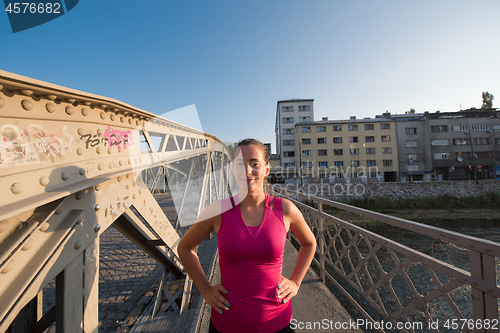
x=469, y=129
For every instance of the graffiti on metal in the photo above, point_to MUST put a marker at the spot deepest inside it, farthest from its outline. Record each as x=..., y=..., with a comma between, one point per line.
x=34, y=144
x=111, y=137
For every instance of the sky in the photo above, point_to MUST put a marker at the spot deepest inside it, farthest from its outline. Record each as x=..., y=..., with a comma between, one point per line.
x=231, y=61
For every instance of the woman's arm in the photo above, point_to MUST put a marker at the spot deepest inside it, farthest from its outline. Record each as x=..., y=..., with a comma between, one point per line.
x=186, y=250
x=289, y=287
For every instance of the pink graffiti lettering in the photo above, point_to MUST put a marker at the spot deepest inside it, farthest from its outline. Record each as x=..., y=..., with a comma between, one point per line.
x=117, y=138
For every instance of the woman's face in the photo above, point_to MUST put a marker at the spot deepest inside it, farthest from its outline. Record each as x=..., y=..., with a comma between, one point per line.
x=250, y=169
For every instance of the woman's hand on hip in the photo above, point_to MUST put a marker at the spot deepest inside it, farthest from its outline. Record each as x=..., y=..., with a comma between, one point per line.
x=213, y=295
x=287, y=289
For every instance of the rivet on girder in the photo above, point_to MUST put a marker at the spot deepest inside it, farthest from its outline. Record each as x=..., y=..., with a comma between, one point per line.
x=65, y=175
x=137, y=122
x=59, y=210
x=110, y=165
x=9, y=266
x=4, y=225
x=81, y=131
x=119, y=179
x=99, y=150
x=85, y=112
x=127, y=175
x=122, y=119
x=50, y=107
x=110, y=150
x=471, y=244
x=27, y=105
x=487, y=249
x=97, y=207
x=97, y=227
x=79, y=151
x=129, y=161
x=113, y=116
x=120, y=150
x=134, y=196
x=44, y=180
x=130, y=121
x=81, y=171
x=27, y=92
x=51, y=97
x=127, y=187
x=99, y=131
x=71, y=100
x=79, y=195
x=97, y=187
x=2, y=102
x=86, y=103
x=120, y=162
x=28, y=245
x=78, y=244
x=1, y=87
x=17, y=188
x=79, y=220
x=140, y=191
x=44, y=227
x=70, y=110
x=134, y=184
x=103, y=106
x=103, y=115
x=100, y=166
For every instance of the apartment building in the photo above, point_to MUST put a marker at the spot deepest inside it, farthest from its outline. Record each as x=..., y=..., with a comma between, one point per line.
x=288, y=114
x=355, y=148
x=448, y=145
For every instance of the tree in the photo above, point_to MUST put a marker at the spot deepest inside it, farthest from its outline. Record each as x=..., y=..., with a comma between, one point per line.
x=411, y=111
x=487, y=100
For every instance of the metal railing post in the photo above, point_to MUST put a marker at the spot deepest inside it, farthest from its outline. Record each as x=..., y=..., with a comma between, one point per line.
x=321, y=244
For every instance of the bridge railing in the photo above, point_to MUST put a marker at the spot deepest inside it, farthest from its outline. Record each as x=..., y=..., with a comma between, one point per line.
x=450, y=285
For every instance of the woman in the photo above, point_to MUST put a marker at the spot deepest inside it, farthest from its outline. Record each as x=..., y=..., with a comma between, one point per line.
x=251, y=227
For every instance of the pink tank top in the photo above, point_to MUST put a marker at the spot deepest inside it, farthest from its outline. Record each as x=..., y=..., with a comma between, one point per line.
x=251, y=260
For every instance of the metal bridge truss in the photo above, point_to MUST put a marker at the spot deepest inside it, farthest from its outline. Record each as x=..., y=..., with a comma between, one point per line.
x=71, y=165
x=386, y=281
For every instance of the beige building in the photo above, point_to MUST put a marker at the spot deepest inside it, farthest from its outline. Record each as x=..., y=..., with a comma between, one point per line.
x=355, y=148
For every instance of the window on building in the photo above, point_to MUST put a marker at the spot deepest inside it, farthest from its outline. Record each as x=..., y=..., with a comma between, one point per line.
x=337, y=128
x=288, y=130
x=412, y=157
x=288, y=165
x=306, y=141
x=321, y=140
x=387, y=162
x=339, y=164
x=306, y=129
x=484, y=127
x=411, y=144
x=307, y=164
x=287, y=120
x=338, y=152
x=410, y=130
x=439, y=128
x=352, y=127
x=288, y=142
x=385, y=126
x=354, y=151
x=306, y=152
x=353, y=139
x=369, y=139
x=337, y=140
x=460, y=128
x=287, y=109
x=370, y=151
x=481, y=141
x=497, y=141
x=483, y=154
x=371, y=163
x=440, y=142
x=304, y=119
x=322, y=152
x=441, y=156
x=322, y=176
x=386, y=138
x=304, y=108
x=372, y=175
x=323, y=164
x=369, y=127
x=288, y=154
x=413, y=167
x=496, y=128
x=386, y=150
x=355, y=163
x=321, y=128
